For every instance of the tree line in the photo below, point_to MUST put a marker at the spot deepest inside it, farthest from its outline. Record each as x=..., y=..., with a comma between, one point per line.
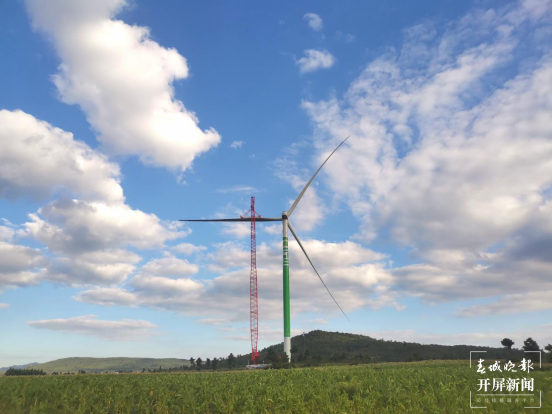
x=529, y=345
x=23, y=371
x=198, y=364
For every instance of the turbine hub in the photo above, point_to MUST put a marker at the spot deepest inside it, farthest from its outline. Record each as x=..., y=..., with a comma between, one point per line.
x=284, y=215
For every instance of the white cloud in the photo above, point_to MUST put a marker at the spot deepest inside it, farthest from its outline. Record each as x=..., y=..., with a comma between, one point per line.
x=37, y=159
x=123, y=330
x=20, y=265
x=317, y=321
x=347, y=37
x=272, y=229
x=4, y=305
x=107, y=297
x=6, y=233
x=448, y=158
x=212, y=321
x=237, y=144
x=514, y=303
x=354, y=274
x=87, y=233
x=238, y=189
x=188, y=249
x=76, y=226
x=236, y=230
x=268, y=334
x=133, y=111
x=159, y=279
x=158, y=288
x=315, y=60
x=103, y=267
x=314, y=21
x=169, y=266
x=228, y=255
x=90, y=238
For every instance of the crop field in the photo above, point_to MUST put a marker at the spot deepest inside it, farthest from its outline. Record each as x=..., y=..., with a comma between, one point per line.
x=417, y=387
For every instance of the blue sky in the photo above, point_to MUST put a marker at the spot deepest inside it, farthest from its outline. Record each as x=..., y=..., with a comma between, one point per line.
x=432, y=224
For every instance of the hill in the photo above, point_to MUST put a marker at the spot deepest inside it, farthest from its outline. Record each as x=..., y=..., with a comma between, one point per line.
x=109, y=364
x=4, y=369
x=344, y=347
x=313, y=347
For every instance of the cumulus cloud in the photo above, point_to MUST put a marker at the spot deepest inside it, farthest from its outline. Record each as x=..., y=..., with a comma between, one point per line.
x=170, y=266
x=89, y=233
x=314, y=21
x=272, y=229
x=90, y=238
x=355, y=275
x=76, y=226
x=37, y=159
x=108, y=296
x=123, y=330
x=188, y=249
x=6, y=233
x=19, y=265
x=315, y=60
x=450, y=160
x=237, y=144
x=102, y=267
x=228, y=255
x=236, y=230
x=122, y=80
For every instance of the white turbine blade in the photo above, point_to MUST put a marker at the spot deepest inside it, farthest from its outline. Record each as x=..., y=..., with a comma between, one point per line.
x=310, y=181
x=308, y=258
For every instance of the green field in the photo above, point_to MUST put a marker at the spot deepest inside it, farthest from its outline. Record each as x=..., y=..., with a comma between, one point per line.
x=416, y=387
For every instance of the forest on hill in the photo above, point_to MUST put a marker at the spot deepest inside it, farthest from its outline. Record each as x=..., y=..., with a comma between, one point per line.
x=324, y=347
x=313, y=348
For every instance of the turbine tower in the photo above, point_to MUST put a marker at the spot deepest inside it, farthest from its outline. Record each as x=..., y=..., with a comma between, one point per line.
x=286, y=224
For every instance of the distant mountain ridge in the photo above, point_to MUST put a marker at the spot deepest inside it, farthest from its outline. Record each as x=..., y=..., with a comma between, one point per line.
x=318, y=345
x=4, y=369
x=115, y=364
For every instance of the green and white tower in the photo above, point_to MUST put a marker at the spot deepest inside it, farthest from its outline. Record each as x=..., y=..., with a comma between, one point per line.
x=286, y=225
x=287, y=306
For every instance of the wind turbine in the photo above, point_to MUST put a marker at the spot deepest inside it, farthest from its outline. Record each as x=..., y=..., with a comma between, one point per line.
x=286, y=224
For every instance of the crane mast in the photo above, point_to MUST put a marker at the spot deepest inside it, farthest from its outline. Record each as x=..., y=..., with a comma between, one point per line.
x=253, y=297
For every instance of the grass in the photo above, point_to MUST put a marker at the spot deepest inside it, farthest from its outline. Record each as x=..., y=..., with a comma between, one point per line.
x=417, y=387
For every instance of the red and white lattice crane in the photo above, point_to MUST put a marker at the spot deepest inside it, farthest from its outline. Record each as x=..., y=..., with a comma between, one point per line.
x=253, y=297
